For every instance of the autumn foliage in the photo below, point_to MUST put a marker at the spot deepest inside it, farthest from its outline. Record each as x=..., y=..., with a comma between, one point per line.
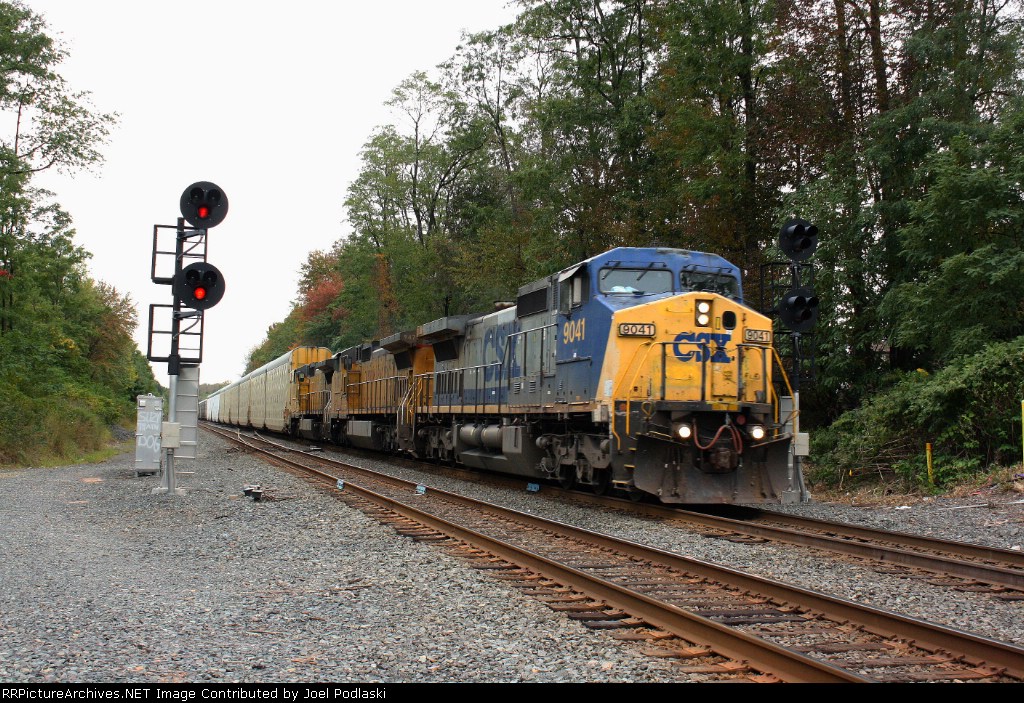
x=321, y=297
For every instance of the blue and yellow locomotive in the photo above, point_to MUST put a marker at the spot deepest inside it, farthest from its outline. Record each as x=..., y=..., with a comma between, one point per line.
x=639, y=369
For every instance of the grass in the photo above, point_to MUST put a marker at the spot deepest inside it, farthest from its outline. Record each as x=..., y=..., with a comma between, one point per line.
x=94, y=457
x=65, y=449
x=1008, y=481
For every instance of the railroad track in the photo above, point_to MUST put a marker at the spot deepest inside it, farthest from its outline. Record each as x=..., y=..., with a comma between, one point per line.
x=954, y=565
x=960, y=565
x=710, y=619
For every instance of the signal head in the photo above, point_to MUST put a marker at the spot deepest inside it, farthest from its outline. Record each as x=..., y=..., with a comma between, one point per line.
x=798, y=309
x=204, y=205
x=199, y=286
x=798, y=239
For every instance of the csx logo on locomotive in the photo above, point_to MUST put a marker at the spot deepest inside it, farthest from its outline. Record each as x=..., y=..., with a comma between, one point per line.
x=702, y=346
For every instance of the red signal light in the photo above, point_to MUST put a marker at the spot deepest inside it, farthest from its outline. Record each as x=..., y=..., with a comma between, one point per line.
x=199, y=285
x=203, y=211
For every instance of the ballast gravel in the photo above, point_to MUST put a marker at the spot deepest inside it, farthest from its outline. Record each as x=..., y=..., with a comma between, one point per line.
x=995, y=520
x=102, y=581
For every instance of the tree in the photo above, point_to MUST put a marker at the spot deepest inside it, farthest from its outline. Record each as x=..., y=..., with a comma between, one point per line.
x=965, y=242
x=48, y=126
x=68, y=365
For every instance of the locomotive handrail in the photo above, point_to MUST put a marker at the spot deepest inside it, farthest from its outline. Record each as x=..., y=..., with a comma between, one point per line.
x=795, y=412
x=325, y=411
x=650, y=345
x=663, y=345
x=423, y=395
x=740, y=386
x=460, y=393
x=705, y=355
x=406, y=414
x=377, y=401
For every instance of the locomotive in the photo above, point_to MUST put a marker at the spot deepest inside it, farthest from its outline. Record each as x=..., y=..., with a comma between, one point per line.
x=639, y=370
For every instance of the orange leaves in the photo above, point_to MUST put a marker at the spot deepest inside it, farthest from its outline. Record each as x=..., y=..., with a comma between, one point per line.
x=320, y=295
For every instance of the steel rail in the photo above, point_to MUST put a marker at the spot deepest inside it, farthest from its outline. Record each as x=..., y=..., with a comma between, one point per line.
x=948, y=558
x=762, y=655
x=965, y=549
x=1006, y=567
x=887, y=553
x=924, y=634
x=958, y=559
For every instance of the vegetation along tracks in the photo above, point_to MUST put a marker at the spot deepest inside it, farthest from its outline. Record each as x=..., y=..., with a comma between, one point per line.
x=688, y=610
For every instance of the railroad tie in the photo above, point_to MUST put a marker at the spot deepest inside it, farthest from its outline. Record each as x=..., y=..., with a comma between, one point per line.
x=677, y=653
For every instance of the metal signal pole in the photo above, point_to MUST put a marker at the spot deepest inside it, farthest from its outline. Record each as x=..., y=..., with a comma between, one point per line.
x=171, y=433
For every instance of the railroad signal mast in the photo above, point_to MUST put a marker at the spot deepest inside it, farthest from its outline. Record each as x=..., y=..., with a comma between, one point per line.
x=195, y=287
x=798, y=307
x=787, y=293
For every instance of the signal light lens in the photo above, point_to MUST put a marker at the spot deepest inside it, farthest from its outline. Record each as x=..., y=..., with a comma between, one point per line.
x=798, y=239
x=199, y=293
x=203, y=211
x=798, y=309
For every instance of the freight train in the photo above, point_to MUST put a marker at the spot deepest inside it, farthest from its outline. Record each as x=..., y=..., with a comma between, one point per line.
x=639, y=370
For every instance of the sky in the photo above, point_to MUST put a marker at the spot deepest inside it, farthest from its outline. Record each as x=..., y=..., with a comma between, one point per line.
x=271, y=101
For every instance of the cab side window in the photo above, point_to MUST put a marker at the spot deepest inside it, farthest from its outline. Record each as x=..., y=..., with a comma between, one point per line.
x=572, y=292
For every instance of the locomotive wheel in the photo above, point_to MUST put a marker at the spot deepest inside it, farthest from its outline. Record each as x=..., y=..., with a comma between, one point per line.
x=602, y=480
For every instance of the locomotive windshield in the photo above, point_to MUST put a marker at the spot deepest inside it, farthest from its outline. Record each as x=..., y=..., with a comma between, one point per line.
x=635, y=281
x=711, y=282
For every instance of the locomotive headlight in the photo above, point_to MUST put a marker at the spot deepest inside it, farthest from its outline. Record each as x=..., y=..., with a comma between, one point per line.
x=704, y=313
x=684, y=432
x=757, y=432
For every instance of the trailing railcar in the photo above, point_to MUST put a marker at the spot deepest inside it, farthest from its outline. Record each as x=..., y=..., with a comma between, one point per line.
x=639, y=369
x=266, y=398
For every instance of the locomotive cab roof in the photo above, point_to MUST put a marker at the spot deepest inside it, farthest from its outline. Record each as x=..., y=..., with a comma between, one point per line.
x=648, y=273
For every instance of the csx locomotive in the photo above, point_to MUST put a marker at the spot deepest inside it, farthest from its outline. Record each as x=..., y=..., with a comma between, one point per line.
x=639, y=369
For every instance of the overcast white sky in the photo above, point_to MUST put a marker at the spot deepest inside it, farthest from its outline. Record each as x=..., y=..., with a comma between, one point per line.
x=270, y=100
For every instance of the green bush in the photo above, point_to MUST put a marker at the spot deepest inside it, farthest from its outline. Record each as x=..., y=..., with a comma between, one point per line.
x=969, y=411
x=43, y=428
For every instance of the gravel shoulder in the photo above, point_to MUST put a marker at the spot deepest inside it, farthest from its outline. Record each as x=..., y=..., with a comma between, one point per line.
x=102, y=581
